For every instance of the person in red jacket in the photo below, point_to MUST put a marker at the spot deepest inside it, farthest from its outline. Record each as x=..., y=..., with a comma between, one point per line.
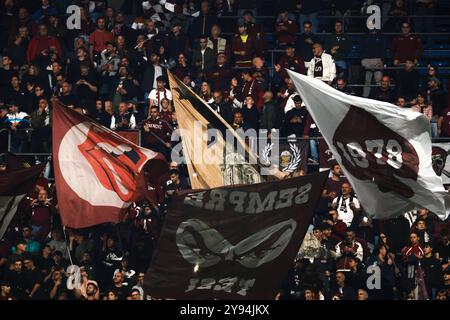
x=43, y=43
x=406, y=46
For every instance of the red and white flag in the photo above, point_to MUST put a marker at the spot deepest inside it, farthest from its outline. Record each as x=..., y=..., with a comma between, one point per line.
x=98, y=173
x=384, y=150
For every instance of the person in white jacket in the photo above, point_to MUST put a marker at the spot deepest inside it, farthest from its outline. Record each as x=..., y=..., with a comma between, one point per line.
x=322, y=65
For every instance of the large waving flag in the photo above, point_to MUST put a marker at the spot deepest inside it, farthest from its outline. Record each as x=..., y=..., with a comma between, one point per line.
x=211, y=164
x=15, y=183
x=385, y=151
x=97, y=172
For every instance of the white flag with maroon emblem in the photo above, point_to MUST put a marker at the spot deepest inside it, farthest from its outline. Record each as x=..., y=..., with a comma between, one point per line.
x=98, y=173
x=384, y=151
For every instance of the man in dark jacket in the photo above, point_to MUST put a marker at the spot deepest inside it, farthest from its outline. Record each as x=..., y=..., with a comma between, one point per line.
x=203, y=57
x=271, y=115
x=339, y=45
x=151, y=71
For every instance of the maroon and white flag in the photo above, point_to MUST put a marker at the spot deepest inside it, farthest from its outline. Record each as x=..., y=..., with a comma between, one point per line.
x=98, y=173
x=15, y=184
x=384, y=150
x=233, y=242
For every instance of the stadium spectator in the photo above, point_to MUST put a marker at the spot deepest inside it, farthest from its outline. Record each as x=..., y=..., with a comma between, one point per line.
x=406, y=46
x=243, y=47
x=203, y=58
x=373, y=51
x=305, y=41
x=339, y=45
x=322, y=65
x=286, y=29
x=346, y=204
x=384, y=92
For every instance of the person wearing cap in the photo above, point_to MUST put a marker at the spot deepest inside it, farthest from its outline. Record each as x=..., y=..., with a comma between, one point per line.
x=243, y=47
x=160, y=92
x=406, y=46
x=289, y=61
x=408, y=81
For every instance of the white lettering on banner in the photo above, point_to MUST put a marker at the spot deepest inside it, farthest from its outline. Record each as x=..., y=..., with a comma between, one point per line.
x=229, y=285
x=249, y=202
x=357, y=155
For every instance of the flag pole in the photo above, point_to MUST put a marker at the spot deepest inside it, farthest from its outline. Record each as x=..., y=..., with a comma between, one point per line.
x=67, y=246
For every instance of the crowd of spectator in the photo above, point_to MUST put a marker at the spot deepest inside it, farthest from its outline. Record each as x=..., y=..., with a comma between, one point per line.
x=114, y=70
